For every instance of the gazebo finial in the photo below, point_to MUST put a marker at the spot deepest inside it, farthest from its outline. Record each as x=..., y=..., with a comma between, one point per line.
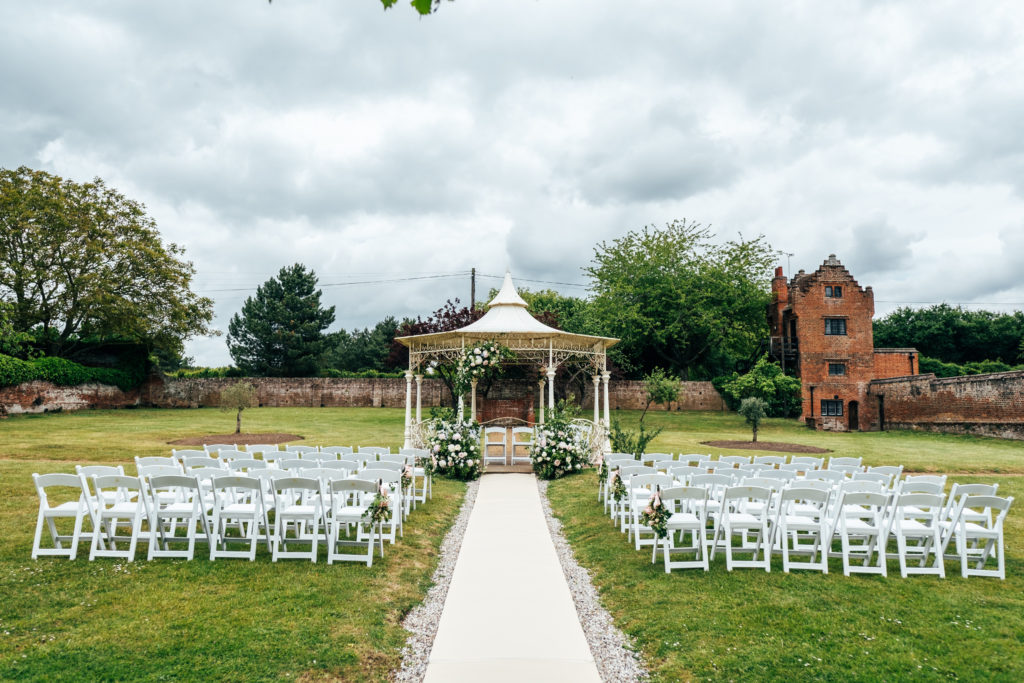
x=507, y=295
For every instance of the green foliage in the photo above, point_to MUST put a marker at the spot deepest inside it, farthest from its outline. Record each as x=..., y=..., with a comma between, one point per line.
x=205, y=373
x=954, y=335
x=631, y=441
x=360, y=374
x=279, y=332
x=359, y=350
x=661, y=387
x=753, y=410
x=424, y=7
x=63, y=372
x=678, y=300
x=766, y=381
x=941, y=369
x=82, y=260
x=454, y=447
x=238, y=396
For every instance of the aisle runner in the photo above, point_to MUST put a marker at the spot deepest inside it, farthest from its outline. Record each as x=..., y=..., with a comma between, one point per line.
x=509, y=615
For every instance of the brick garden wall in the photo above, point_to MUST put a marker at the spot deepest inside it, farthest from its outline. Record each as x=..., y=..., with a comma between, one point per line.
x=38, y=397
x=987, y=405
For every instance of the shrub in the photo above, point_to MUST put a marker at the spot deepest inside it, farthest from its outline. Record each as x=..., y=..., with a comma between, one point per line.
x=64, y=372
x=753, y=410
x=979, y=367
x=765, y=381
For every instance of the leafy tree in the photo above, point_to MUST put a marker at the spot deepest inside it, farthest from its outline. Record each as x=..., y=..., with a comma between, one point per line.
x=366, y=349
x=678, y=300
x=424, y=7
x=238, y=396
x=767, y=381
x=81, y=260
x=753, y=410
x=661, y=387
x=451, y=316
x=952, y=334
x=280, y=331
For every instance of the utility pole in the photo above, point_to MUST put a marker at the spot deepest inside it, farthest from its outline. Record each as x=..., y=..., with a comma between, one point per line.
x=472, y=289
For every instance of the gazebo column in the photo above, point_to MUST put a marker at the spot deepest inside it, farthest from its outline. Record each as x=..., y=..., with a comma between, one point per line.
x=472, y=401
x=408, y=409
x=541, y=384
x=551, y=387
x=597, y=401
x=605, y=376
x=419, y=399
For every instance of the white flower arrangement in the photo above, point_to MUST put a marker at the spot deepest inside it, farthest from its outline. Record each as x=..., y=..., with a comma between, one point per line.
x=455, y=449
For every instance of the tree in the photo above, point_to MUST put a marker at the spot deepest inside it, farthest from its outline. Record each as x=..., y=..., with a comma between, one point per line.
x=952, y=334
x=753, y=410
x=766, y=381
x=81, y=260
x=678, y=300
x=661, y=387
x=238, y=396
x=366, y=349
x=279, y=332
x=424, y=7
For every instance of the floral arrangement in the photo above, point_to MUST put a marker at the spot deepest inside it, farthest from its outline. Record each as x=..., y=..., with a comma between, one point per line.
x=617, y=486
x=379, y=510
x=559, y=449
x=656, y=515
x=406, y=477
x=478, y=362
x=455, y=449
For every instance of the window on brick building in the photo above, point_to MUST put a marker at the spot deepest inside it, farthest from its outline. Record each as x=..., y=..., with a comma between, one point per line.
x=831, y=408
x=835, y=326
x=837, y=368
x=833, y=291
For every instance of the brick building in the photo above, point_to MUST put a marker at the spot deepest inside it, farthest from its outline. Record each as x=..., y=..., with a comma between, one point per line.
x=821, y=330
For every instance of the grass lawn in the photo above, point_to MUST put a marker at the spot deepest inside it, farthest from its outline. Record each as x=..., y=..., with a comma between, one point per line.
x=200, y=620
x=752, y=625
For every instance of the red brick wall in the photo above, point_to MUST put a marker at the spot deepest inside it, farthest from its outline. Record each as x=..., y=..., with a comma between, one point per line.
x=895, y=363
x=989, y=405
x=38, y=397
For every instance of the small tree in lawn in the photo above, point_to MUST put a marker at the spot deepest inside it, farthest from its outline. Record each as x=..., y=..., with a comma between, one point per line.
x=238, y=396
x=661, y=388
x=754, y=410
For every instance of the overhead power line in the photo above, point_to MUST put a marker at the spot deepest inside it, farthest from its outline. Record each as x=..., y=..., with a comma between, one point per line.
x=359, y=282
x=546, y=282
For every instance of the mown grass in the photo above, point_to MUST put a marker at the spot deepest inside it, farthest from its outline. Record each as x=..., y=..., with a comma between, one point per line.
x=200, y=620
x=752, y=625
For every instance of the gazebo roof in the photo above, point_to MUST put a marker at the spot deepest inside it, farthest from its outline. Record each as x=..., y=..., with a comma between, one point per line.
x=508, y=319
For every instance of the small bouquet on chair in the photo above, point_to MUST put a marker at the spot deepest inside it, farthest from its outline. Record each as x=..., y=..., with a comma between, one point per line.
x=406, y=477
x=380, y=509
x=656, y=515
x=618, y=487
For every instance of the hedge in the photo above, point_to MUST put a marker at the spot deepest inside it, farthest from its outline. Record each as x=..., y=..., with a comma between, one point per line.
x=63, y=372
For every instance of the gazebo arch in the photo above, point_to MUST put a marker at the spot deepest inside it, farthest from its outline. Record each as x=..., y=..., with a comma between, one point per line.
x=508, y=322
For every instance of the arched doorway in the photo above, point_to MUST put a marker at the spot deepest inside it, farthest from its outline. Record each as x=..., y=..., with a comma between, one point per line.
x=854, y=412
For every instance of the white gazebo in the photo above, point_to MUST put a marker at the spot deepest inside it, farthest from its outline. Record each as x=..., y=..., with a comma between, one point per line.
x=508, y=322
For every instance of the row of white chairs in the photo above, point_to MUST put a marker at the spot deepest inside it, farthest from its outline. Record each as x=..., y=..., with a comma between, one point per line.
x=314, y=503
x=804, y=516
x=498, y=448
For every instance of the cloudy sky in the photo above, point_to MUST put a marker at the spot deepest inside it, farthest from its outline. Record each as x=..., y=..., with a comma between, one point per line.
x=378, y=146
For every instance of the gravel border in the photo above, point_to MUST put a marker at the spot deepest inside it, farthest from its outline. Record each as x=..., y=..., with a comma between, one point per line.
x=422, y=620
x=610, y=646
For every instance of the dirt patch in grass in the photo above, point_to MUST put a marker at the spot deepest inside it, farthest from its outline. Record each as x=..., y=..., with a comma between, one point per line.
x=767, y=446
x=239, y=439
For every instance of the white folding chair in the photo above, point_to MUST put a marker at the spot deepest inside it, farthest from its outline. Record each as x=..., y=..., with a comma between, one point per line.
x=392, y=480
x=976, y=540
x=298, y=501
x=862, y=528
x=802, y=528
x=175, y=499
x=681, y=473
x=246, y=466
x=261, y=448
x=894, y=472
x=157, y=461
x=843, y=462
x=771, y=460
x=337, y=450
x=300, y=448
x=641, y=488
x=180, y=455
x=213, y=448
x=733, y=520
x=811, y=463
x=374, y=451
x=692, y=459
x=651, y=459
x=493, y=445
x=238, y=499
x=885, y=480
x=522, y=447
x=915, y=517
x=350, y=499
x=422, y=482
x=112, y=504
x=75, y=507
x=191, y=462
x=688, y=506
x=735, y=460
